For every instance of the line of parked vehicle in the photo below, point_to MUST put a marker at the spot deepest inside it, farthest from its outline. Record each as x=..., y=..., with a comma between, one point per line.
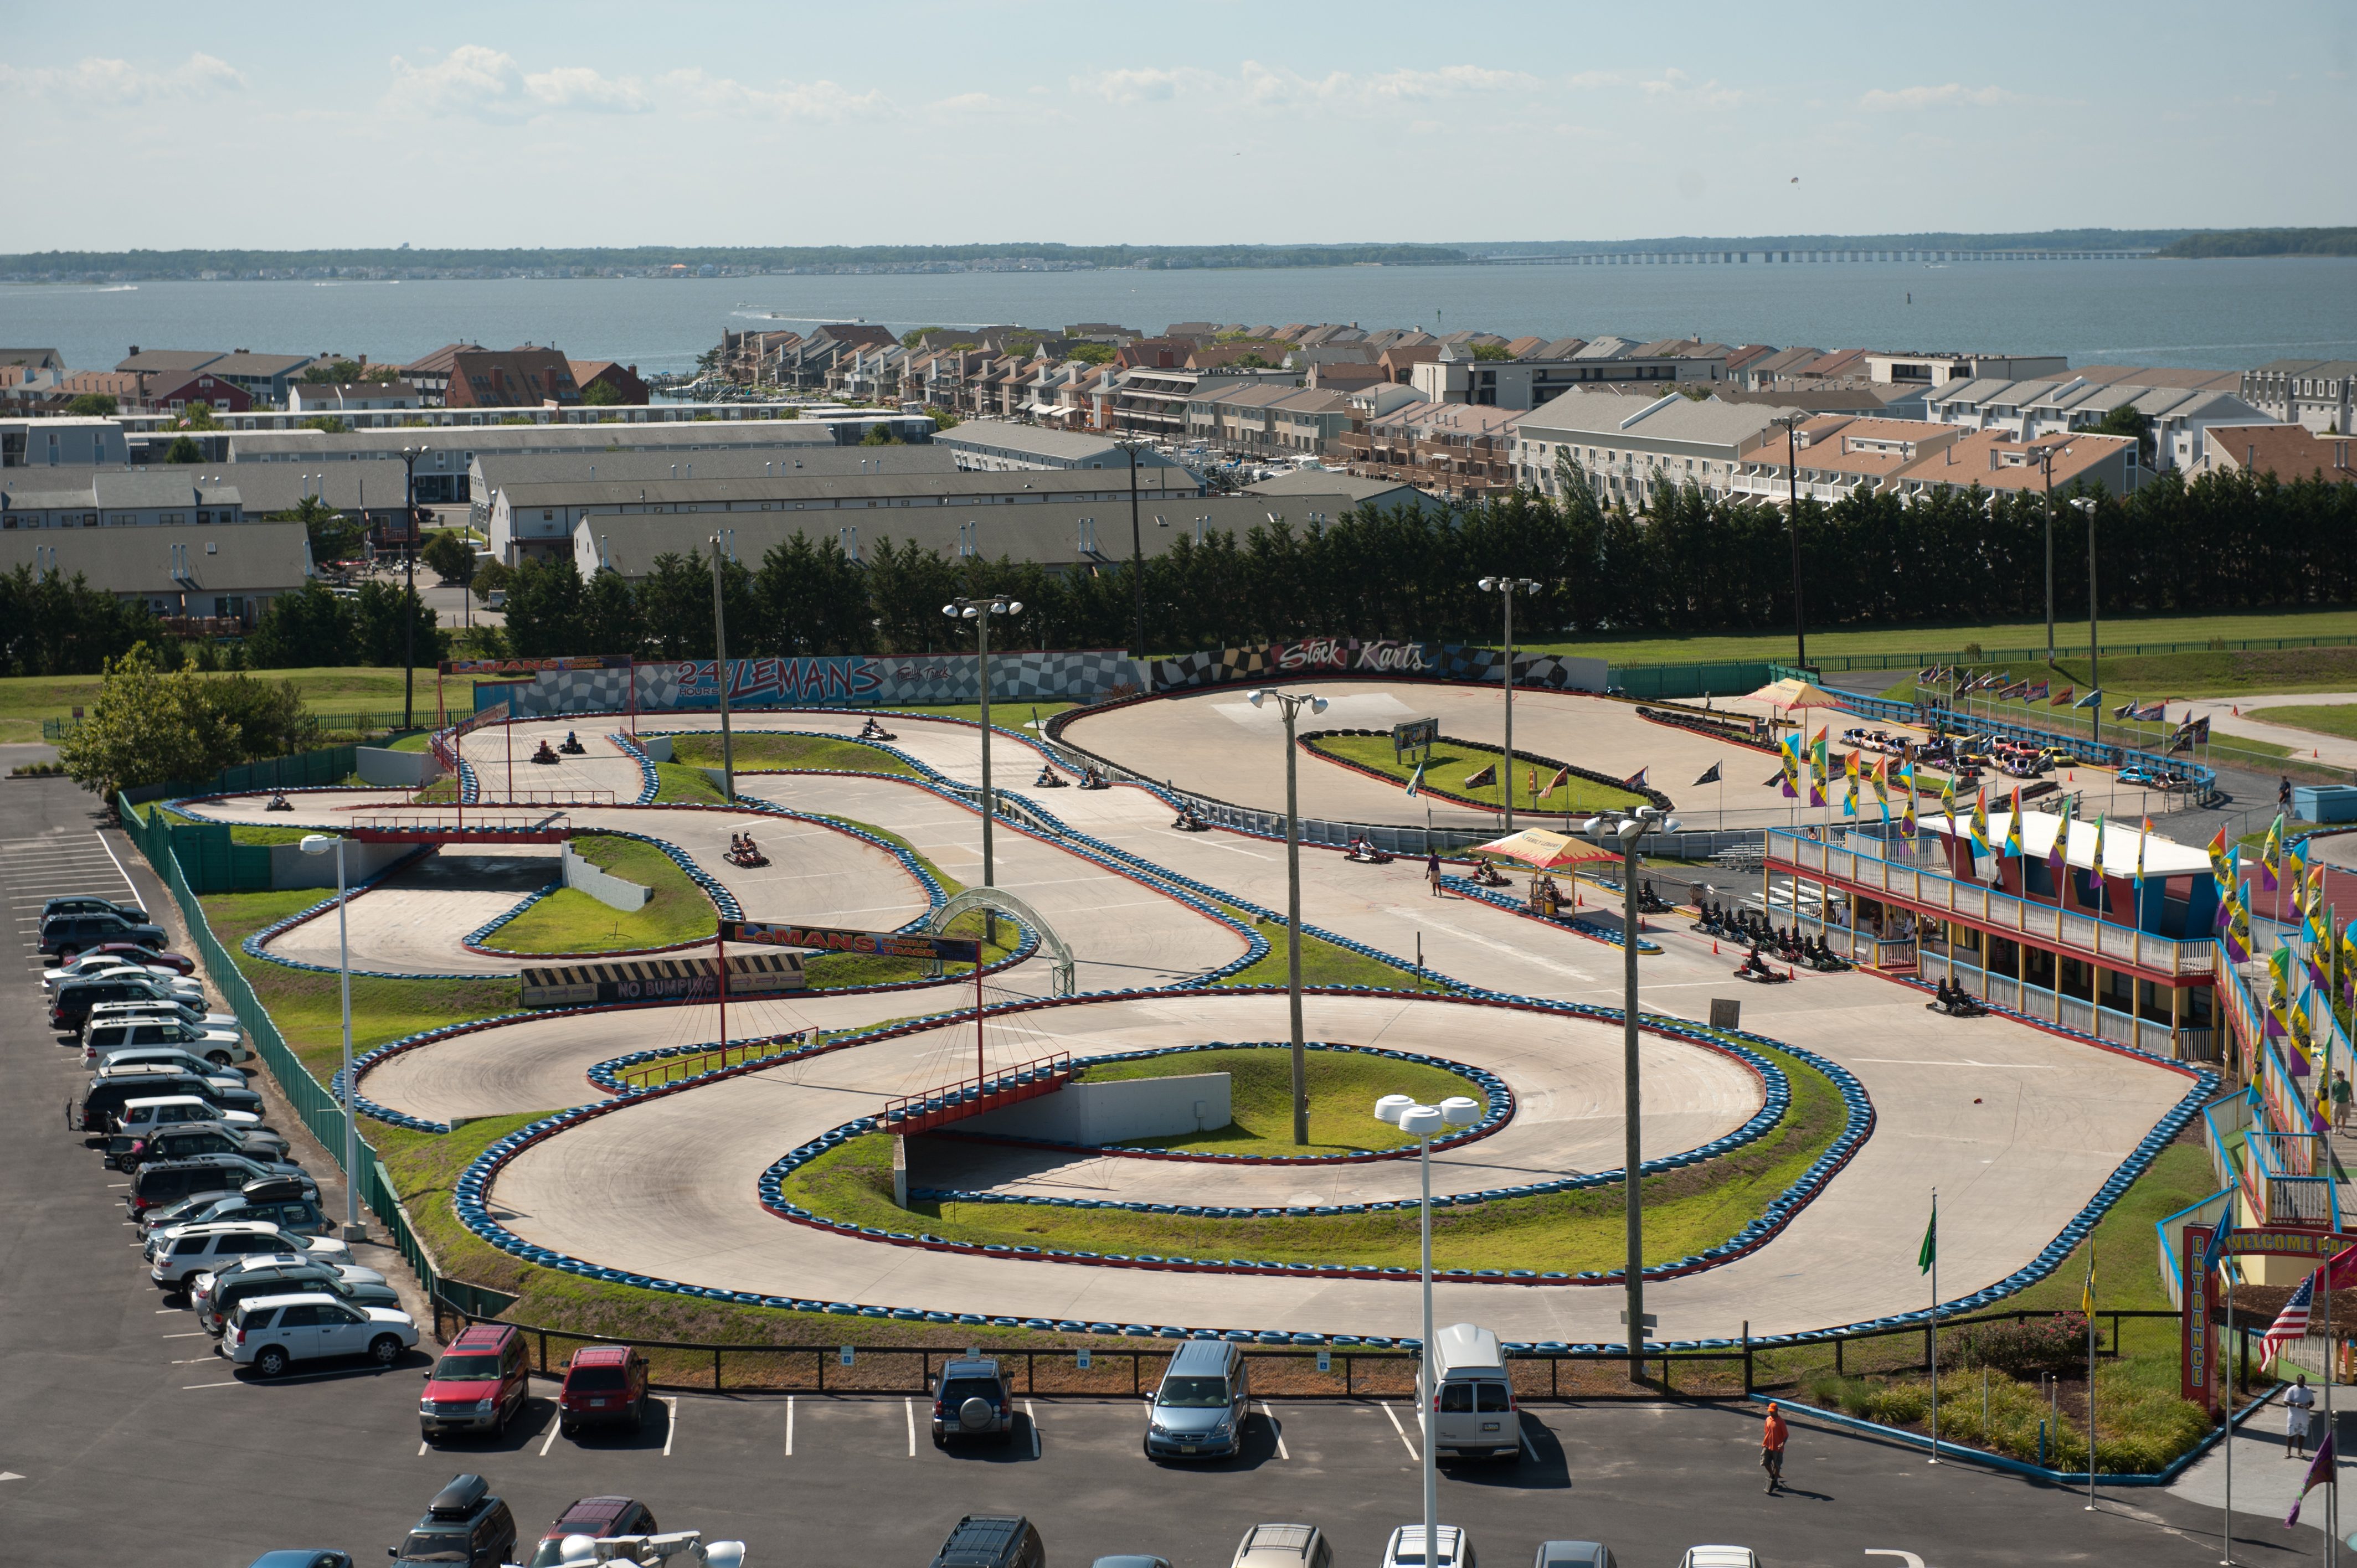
x=467, y=1525
x=229, y=1221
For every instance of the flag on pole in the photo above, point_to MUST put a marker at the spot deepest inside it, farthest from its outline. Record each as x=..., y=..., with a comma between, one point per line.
x=2087, y=1291
x=1710, y=775
x=1849, y=772
x=2035, y=691
x=1415, y=781
x=2291, y=1323
x=1481, y=776
x=2238, y=930
x=2094, y=696
x=2217, y=1247
x=2013, y=850
x=1820, y=769
x=1907, y=802
x=2062, y=698
x=2142, y=834
x=1881, y=778
x=2320, y=1474
x=1980, y=822
x=1562, y=778
x=2270, y=855
x=2057, y=856
x=1789, y=751
x=2278, y=991
x=1635, y=780
x=1929, y=1253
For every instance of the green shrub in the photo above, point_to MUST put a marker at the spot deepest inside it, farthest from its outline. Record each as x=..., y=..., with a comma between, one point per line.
x=2043, y=1347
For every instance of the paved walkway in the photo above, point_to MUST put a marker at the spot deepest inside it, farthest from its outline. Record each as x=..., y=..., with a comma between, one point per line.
x=2235, y=715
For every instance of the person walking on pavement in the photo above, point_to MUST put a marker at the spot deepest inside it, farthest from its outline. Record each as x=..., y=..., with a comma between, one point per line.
x=1773, y=1437
x=1432, y=870
x=2283, y=794
x=2341, y=1103
x=2298, y=1400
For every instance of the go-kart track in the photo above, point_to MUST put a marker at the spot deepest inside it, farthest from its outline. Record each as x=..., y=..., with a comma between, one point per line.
x=2018, y=1128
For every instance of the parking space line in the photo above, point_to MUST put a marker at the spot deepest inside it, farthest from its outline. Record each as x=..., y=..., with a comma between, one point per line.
x=231, y=1384
x=555, y=1426
x=128, y=885
x=1034, y=1422
x=911, y=1406
x=421, y=1448
x=1402, y=1435
x=192, y=1361
x=1275, y=1425
x=671, y=1427
x=789, y=1426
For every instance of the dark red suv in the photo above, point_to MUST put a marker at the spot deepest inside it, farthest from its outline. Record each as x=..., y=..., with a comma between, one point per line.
x=599, y=1517
x=604, y=1385
x=482, y=1381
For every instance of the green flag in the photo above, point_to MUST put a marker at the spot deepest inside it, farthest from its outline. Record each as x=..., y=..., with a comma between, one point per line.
x=1931, y=1250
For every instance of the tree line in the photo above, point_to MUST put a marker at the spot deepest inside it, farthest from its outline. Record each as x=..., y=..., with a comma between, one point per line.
x=1684, y=563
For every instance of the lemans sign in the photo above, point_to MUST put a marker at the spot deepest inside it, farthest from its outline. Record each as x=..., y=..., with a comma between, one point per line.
x=872, y=944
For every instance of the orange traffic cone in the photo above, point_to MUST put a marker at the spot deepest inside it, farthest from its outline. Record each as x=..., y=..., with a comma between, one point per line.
x=1714, y=947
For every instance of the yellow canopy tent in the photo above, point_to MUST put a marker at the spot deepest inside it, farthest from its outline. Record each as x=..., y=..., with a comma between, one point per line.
x=1544, y=851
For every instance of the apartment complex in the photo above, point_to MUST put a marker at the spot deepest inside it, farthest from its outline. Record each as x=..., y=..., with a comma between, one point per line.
x=1626, y=451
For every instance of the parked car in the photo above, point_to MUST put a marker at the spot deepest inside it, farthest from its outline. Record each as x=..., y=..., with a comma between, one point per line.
x=605, y=1385
x=112, y=1087
x=1473, y=1405
x=595, y=1518
x=971, y=1400
x=1452, y=1547
x=464, y=1526
x=189, y=1210
x=188, y=1139
x=271, y=1333
x=1573, y=1555
x=104, y=959
x=170, y=1181
x=980, y=1541
x=198, y=1247
x=1131, y=1559
x=174, y=1057
x=296, y=1216
x=1719, y=1557
x=480, y=1383
x=90, y=904
x=168, y=1007
x=1200, y=1408
x=69, y=1009
x=278, y=1274
x=303, y=1557
x=66, y=934
x=107, y=1035
x=138, y=1117
x=1284, y=1546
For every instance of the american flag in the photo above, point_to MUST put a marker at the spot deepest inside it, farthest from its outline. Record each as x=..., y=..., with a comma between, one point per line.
x=2291, y=1324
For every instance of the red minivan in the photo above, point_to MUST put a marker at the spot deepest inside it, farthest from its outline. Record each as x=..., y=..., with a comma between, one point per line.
x=480, y=1383
x=604, y=1384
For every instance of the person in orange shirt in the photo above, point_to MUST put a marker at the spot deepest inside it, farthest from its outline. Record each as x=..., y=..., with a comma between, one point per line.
x=1772, y=1436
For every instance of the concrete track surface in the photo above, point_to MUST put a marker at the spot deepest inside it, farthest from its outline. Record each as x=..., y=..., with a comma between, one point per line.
x=2016, y=1128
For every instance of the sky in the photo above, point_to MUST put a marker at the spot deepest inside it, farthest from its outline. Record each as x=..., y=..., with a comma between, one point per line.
x=923, y=122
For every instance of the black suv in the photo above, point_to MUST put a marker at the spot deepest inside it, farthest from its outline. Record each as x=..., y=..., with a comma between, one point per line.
x=980, y=1541
x=186, y=1140
x=464, y=1525
x=67, y=935
x=169, y=1181
x=94, y=1110
x=971, y=1402
x=90, y=904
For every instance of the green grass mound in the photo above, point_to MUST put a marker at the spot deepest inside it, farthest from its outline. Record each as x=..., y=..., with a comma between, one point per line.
x=1451, y=763
x=1343, y=1088
x=1686, y=1210
x=2324, y=718
x=569, y=920
x=791, y=753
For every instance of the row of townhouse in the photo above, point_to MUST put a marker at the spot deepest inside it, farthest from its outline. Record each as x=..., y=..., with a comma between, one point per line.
x=2175, y=415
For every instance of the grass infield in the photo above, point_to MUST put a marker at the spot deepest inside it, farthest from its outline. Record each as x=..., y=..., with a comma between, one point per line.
x=793, y=753
x=1342, y=1086
x=569, y=920
x=1451, y=763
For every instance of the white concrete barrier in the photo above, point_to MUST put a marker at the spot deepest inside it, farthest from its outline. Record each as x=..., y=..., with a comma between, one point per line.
x=1121, y=1111
x=400, y=769
x=656, y=746
x=619, y=892
x=290, y=867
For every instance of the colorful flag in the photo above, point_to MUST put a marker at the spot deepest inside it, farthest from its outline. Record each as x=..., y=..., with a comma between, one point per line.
x=1481, y=776
x=2238, y=931
x=1881, y=778
x=2062, y=698
x=2013, y=828
x=1415, y=781
x=2087, y=1291
x=2221, y=861
x=2142, y=834
x=1849, y=770
x=1709, y=777
x=1820, y=769
x=2320, y=1472
x=1928, y=1253
x=2270, y=853
x=2036, y=691
x=2291, y=1323
x=1562, y=778
x=2278, y=991
x=2013, y=689
x=2302, y=1041
x=1980, y=822
x=1634, y=781
x=2094, y=696
x=1788, y=750
x=1907, y=804
x=2057, y=857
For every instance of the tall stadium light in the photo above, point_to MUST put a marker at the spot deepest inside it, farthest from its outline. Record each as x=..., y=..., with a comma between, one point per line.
x=1506, y=588
x=1422, y=1123
x=979, y=611
x=321, y=844
x=1292, y=703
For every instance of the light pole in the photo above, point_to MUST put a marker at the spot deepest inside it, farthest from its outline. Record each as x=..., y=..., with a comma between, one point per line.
x=1136, y=546
x=1506, y=588
x=2045, y=464
x=1791, y=424
x=979, y=611
x=321, y=844
x=409, y=455
x=2094, y=680
x=720, y=675
x=1625, y=831
x=1291, y=701
x=1420, y=1122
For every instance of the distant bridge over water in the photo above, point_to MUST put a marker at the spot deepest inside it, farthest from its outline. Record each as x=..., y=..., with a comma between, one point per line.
x=1795, y=257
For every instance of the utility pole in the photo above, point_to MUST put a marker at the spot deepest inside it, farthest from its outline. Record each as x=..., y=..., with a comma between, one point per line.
x=1292, y=703
x=1136, y=548
x=2046, y=462
x=720, y=674
x=409, y=456
x=1791, y=424
x=2095, y=647
x=1506, y=588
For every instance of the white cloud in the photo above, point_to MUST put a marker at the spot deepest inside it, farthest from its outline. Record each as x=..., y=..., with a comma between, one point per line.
x=819, y=100
x=490, y=84
x=1280, y=87
x=579, y=87
x=1142, y=86
x=1677, y=85
x=1948, y=95
x=97, y=79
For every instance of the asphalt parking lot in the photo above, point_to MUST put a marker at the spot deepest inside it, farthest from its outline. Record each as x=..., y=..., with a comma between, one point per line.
x=124, y=1439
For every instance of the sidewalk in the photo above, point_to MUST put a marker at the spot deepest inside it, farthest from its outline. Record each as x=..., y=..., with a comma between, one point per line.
x=2332, y=751
x=2265, y=1481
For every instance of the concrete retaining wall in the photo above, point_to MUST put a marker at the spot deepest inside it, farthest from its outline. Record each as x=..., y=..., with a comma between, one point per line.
x=657, y=747
x=400, y=769
x=1120, y=1112
x=619, y=892
x=290, y=867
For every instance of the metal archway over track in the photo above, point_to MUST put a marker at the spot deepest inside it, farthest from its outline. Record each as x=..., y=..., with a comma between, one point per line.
x=1066, y=976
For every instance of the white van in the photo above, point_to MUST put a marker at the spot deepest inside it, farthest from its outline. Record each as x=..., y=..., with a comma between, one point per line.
x=1473, y=1406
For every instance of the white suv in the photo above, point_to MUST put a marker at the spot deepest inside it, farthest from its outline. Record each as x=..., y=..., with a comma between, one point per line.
x=184, y=1251
x=269, y=1333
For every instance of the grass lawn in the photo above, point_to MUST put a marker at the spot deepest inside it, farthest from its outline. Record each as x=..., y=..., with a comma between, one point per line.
x=2140, y=1422
x=569, y=920
x=1009, y=714
x=1451, y=763
x=26, y=700
x=1946, y=639
x=676, y=782
x=252, y=832
x=791, y=753
x=305, y=1005
x=1685, y=1210
x=2325, y=718
x=1342, y=1085
x=1322, y=963
x=2174, y=677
